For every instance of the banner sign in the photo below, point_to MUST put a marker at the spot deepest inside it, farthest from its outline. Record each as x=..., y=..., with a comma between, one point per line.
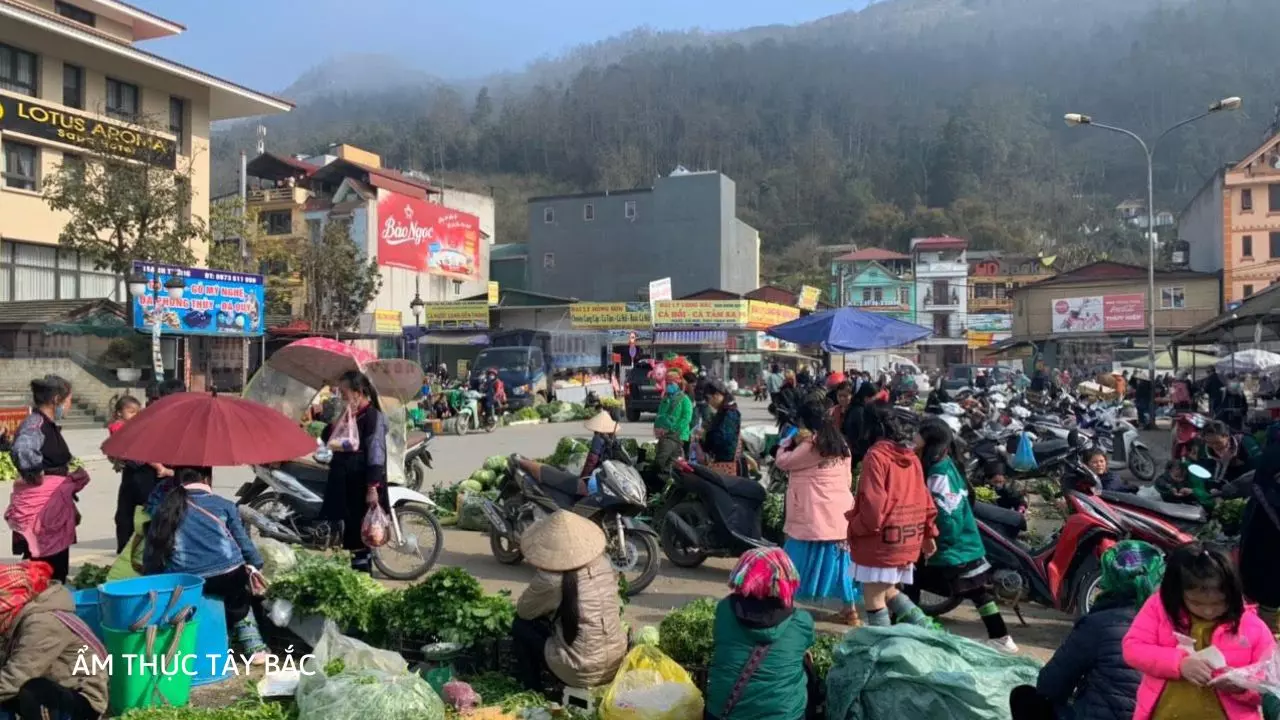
x=1099, y=313
x=763, y=315
x=980, y=339
x=769, y=343
x=990, y=322
x=495, y=293
x=457, y=316
x=387, y=322
x=691, y=337
x=660, y=290
x=214, y=302
x=609, y=315
x=808, y=298
x=418, y=235
x=57, y=124
x=700, y=313
x=12, y=417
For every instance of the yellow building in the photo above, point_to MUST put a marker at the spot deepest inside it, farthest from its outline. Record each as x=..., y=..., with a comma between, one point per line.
x=75, y=66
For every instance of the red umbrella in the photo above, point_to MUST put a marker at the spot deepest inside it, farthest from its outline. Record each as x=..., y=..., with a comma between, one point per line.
x=209, y=430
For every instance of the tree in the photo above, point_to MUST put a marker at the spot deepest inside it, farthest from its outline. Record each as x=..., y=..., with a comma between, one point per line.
x=341, y=282
x=122, y=210
x=239, y=244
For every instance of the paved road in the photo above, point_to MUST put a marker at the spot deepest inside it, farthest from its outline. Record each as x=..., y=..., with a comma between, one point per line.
x=456, y=458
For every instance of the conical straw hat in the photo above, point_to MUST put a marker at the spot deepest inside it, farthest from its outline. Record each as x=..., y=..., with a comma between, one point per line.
x=602, y=422
x=561, y=542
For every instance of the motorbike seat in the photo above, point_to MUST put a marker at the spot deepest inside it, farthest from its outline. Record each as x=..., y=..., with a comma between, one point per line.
x=1045, y=448
x=735, y=486
x=559, y=480
x=1011, y=522
x=1177, y=511
x=413, y=439
x=307, y=473
x=1046, y=420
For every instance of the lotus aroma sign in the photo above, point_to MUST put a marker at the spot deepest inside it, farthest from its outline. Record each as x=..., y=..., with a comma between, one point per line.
x=60, y=125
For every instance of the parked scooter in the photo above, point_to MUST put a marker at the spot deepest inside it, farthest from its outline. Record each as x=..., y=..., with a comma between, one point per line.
x=615, y=497
x=471, y=417
x=417, y=459
x=707, y=514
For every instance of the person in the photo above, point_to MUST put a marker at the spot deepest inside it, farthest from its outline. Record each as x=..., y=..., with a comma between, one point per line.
x=358, y=470
x=1087, y=676
x=1234, y=409
x=817, y=461
x=567, y=619
x=1260, y=536
x=1225, y=455
x=721, y=438
x=196, y=532
x=42, y=508
x=137, y=479
x=760, y=669
x=789, y=399
x=959, y=567
x=773, y=382
x=494, y=392
x=858, y=419
x=1200, y=599
x=981, y=381
x=604, y=442
x=1096, y=460
x=44, y=641
x=937, y=398
x=1041, y=381
x=842, y=395
x=696, y=388
x=1174, y=485
x=672, y=425
x=1213, y=387
x=892, y=523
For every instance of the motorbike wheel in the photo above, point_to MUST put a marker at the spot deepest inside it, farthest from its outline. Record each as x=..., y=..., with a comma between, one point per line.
x=504, y=549
x=1088, y=578
x=416, y=477
x=428, y=526
x=938, y=605
x=1142, y=464
x=461, y=423
x=674, y=546
x=646, y=562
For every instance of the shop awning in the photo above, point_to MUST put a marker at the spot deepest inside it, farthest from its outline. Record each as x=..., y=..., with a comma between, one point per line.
x=1257, y=319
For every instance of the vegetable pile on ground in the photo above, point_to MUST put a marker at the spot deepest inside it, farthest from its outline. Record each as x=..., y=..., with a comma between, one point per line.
x=245, y=710
x=449, y=606
x=562, y=411
x=461, y=503
x=8, y=471
x=686, y=636
x=89, y=576
x=1229, y=514
x=326, y=585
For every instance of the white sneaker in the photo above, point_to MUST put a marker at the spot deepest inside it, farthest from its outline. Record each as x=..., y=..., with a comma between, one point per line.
x=1004, y=645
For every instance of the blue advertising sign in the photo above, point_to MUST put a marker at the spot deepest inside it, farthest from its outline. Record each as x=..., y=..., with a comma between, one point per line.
x=214, y=302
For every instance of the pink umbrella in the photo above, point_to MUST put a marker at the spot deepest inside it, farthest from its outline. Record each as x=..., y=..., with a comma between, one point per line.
x=317, y=361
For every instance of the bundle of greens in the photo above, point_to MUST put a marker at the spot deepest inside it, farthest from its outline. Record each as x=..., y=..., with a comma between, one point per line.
x=685, y=634
x=821, y=652
x=448, y=606
x=8, y=471
x=527, y=413
x=89, y=576
x=326, y=585
x=773, y=514
x=244, y=710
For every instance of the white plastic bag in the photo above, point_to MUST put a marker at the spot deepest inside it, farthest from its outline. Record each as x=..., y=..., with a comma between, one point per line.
x=371, y=683
x=345, y=434
x=276, y=557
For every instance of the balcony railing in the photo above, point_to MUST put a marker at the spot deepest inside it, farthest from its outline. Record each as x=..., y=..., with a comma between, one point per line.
x=943, y=303
x=276, y=195
x=879, y=305
x=987, y=303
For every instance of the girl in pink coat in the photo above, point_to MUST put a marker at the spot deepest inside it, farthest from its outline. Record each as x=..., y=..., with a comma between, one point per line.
x=1186, y=637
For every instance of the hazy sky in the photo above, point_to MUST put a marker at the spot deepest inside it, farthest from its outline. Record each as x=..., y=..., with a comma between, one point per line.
x=266, y=44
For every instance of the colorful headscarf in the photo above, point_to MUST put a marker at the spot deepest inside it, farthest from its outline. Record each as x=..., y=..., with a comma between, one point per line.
x=18, y=585
x=1131, y=571
x=765, y=573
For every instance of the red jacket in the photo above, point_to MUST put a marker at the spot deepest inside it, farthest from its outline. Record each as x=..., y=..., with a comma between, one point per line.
x=893, y=511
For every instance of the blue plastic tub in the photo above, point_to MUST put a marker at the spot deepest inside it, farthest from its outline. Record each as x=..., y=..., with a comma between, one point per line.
x=126, y=602
x=88, y=608
x=212, y=642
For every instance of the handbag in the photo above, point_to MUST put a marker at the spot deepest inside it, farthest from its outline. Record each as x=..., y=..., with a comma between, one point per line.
x=758, y=654
x=728, y=467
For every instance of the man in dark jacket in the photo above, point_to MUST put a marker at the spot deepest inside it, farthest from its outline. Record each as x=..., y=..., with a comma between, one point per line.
x=1087, y=678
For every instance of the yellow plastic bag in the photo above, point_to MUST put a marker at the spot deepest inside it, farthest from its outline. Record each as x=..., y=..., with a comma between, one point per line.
x=651, y=686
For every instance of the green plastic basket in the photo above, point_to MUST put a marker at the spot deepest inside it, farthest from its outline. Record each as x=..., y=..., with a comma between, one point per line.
x=132, y=687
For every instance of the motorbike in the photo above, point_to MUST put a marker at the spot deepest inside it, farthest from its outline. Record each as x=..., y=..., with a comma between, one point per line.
x=707, y=514
x=417, y=459
x=1064, y=572
x=283, y=501
x=615, y=497
x=471, y=417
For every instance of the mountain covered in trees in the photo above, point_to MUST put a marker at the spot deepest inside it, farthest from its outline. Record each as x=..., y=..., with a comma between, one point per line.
x=907, y=118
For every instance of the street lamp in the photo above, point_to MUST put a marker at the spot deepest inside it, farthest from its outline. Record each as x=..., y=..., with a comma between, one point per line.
x=1148, y=149
x=138, y=288
x=415, y=306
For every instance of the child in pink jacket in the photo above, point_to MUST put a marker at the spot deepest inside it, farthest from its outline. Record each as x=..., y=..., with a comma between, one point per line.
x=1200, y=605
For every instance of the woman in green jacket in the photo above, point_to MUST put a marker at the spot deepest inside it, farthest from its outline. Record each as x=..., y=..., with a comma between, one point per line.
x=673, y=425
x=959, y=567
x=759, y=668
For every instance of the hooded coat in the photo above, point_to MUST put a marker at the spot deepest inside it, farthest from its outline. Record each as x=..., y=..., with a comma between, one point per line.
x=893, y=511
x=778, y=688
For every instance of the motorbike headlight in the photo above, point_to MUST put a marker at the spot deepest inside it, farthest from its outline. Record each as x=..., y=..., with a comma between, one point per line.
x=521, y=390
x=623, y=482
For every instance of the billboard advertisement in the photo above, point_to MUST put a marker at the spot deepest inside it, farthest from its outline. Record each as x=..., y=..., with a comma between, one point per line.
x=609, y=315
x=213, y=302
x=457, y=315
x=700, y=313
x=762, y=315
x=808, y=299
x=426, y=237
x=991, y=322
x=1099, y=313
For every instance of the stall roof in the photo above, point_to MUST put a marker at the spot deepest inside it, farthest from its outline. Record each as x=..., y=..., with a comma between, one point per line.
x=1236, y=325
x=14, y=315
x=1106, y=270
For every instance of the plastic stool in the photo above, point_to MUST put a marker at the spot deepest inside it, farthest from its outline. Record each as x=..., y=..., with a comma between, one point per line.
x=579, y=698
x=212, y=642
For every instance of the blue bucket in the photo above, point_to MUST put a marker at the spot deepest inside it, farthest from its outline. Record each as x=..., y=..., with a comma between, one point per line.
x=212, y=642
x=149, y=599
x=88, y=609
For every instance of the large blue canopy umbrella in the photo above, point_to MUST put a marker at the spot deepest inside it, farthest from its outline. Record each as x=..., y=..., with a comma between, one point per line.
x=849, y=330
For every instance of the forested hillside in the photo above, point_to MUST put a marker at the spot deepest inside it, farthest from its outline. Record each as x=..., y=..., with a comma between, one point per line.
x=910, y=117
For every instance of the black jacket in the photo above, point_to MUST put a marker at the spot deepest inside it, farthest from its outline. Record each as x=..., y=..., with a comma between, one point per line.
x=1089, y=667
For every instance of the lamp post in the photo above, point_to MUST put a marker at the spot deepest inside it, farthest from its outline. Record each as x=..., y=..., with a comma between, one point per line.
x=415, y=306
x=138, y=288
x=1148, y=150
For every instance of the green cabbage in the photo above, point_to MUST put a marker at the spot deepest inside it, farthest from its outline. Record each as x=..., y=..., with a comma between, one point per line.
x=470, y=485
x=648, y=636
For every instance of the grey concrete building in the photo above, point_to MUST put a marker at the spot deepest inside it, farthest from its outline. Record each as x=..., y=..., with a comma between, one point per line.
x=609, y=245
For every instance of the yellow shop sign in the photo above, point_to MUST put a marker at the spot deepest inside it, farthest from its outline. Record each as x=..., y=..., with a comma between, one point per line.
x=701, y=313
x=763, y=315
x=472, y=315
x=610, y=315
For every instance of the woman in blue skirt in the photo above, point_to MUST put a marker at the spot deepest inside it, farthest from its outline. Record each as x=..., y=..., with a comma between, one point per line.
x=818, y=496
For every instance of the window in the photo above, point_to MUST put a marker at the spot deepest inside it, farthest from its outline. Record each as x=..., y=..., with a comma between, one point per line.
x=549, y=260
x=1246, y=246
x=866, y=295
x=548, y=215
x=73, y=86
x=278, y=222
x=122, y=100
x=20, y=163
x=71, y=12
x=1248, y=291
x=629, y=209
x=1274, y=242
x=984, y=290
x=1273, y=197
x=1172, y=298
x=878, y=295
x=314, y=231
x=17, y=70
x=1246, y=199
x=941, y=325
x=904, y=296
x=177, y=116
x=457, y=288
x=940, y=292
x=588, y=212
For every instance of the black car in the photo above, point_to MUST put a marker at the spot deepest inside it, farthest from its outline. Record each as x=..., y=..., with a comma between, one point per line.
x=962, y=376
x=642, y=391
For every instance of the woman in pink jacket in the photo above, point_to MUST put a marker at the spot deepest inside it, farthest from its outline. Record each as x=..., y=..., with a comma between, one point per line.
x=1199, y=608
x=818, y=495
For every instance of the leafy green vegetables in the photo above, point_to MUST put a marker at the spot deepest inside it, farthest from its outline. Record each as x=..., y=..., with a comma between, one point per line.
x=244, y=710
x=75, y=464
x=773, y=513
x=326, y=585
x=449, y=606
x=984, y=493
x=89, y=576
x=685, y=634
x=527, y=413
x=821, y=652
x=8, y=471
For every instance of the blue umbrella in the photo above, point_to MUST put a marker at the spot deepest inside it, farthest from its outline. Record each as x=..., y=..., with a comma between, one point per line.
x=849, y=330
